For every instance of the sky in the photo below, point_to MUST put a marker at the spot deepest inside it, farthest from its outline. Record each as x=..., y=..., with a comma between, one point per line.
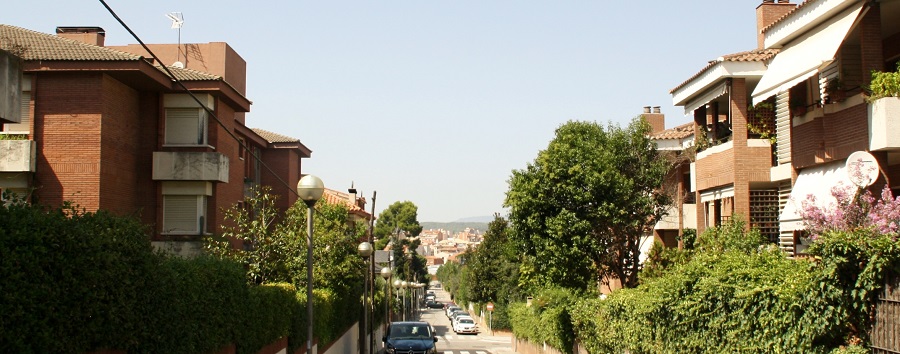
x=434, y=101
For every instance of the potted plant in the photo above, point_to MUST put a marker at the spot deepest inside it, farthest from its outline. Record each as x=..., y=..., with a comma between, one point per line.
x=798, y=106
x=834, y=91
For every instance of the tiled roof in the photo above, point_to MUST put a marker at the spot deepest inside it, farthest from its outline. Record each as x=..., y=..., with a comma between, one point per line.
x=752, y=55
x=679, y=132
x=33, y=45
x=190, y=75
x=335, y=197
x=273, y=137
x=788, y=14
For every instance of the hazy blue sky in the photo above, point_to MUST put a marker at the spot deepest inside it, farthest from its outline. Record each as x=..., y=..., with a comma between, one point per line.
x=434, y=101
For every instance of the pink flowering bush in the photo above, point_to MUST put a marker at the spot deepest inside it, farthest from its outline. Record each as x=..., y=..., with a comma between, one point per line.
x=852, y=209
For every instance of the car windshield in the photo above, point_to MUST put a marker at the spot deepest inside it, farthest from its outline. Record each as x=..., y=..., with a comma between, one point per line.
x=410, y=331
x=466, y=321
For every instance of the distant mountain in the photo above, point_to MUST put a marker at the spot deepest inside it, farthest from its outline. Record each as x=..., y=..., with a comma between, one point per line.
x=484, y=219
x=455, y=226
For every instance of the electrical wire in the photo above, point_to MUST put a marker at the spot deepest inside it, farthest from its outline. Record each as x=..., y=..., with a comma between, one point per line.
x=183, y=87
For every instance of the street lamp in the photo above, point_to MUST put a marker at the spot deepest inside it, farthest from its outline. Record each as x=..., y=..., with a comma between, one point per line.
x=397, y=285
x=310, y=189
x=405, y=285
x=386, y=274
x=365, y=250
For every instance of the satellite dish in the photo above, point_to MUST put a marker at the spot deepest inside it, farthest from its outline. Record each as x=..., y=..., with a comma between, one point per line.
x=862, y=168
x=178, y=64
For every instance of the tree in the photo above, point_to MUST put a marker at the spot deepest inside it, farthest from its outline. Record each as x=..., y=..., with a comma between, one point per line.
x=272, y=246
x=493, y=266
x=398, y=217
x=580, y=209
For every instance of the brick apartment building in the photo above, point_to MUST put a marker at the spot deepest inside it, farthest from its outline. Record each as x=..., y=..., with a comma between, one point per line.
x=770, y=125
x=107, y=128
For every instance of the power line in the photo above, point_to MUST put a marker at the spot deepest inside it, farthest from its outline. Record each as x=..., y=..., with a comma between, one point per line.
x=183, y=87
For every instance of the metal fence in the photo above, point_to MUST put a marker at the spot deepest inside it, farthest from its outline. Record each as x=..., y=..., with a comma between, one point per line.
x=886, y=332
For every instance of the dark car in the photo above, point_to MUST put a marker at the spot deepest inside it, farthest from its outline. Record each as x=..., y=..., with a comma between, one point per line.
x=434, y=305
x=410, y=337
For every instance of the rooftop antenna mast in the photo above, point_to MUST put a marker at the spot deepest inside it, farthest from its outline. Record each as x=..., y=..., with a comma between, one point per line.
x=177, y=22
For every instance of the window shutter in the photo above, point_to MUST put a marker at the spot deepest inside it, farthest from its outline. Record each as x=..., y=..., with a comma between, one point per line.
x=23, y=127
x=184, y=126
x=180, y=214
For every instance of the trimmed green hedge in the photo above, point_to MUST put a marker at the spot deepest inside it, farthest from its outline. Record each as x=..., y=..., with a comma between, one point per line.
x=729, y=302
x=75, y=282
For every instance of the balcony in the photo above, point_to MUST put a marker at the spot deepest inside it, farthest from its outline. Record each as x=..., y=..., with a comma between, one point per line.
x=18, y=155
x=190, y=166
x=670, y=220
x=17, y=164
x=715, y=166
x=884, y=123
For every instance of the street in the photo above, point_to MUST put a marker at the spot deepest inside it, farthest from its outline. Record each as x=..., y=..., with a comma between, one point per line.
x=452, y=343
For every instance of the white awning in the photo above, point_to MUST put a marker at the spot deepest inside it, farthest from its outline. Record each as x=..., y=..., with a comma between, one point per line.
x=702, y=100
x=804, y=56
x=817, y=182
x=716, y=194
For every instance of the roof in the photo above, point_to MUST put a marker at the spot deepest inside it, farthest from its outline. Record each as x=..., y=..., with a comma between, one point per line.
x=33, y=45
x=341, y=198
x=786, y=15
x=274, y=137
x=748, y=56
x=680, y=132
x=184, y=74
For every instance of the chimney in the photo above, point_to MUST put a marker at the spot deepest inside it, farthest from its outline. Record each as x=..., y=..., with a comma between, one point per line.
x=352, y=196
x=90, y=35
x=655, y=118
x=766, y=14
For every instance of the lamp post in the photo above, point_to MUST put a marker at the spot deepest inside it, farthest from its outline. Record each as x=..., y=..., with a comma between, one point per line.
x=386, y=274
x=309, y=189
x=397, y=285
x=405, y=285
x=365, y=250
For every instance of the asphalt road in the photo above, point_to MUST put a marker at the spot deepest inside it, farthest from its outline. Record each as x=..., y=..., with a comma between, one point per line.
x=452, y=343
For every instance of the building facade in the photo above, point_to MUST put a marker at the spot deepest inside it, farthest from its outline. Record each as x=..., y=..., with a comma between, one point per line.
x=110, y=128
x=776, y=124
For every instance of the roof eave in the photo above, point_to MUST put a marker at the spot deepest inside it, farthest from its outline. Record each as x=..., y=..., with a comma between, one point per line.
x=713, y=75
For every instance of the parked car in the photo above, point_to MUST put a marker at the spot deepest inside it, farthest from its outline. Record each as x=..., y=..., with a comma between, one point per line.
x=458, y=314
x=409, y=337
x=451, y=309
x=465, y=324
x=434, y=305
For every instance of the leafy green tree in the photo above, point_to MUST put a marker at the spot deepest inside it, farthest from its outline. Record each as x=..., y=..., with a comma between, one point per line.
x=493, y=267
x=408, y=264
x=398, y=217
x=272, y=247
x=580, y=209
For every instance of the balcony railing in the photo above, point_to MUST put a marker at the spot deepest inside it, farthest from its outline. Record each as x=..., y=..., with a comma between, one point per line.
x=18, y=155
x=884, y=122
x=190, y=166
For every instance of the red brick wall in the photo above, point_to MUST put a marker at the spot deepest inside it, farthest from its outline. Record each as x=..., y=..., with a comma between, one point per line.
x=286, y=164
x=831, y=137
x=225, y=195
x=715, y=170
x=766, y=14
x=126, y=150
x=67, y=120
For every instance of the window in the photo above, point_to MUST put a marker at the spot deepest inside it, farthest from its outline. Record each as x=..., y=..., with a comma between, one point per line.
x=24, y=126
x=184, y=214
x=186, y=126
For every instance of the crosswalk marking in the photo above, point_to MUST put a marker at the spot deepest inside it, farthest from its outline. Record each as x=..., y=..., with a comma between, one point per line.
x=465, y=352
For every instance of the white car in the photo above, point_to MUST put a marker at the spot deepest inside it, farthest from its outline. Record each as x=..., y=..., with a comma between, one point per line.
x=464, y=324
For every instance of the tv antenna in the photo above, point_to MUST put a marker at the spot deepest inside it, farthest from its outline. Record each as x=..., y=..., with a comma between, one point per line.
x=177, y=21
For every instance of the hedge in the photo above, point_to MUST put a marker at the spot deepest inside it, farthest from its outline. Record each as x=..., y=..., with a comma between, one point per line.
x=76, y=282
